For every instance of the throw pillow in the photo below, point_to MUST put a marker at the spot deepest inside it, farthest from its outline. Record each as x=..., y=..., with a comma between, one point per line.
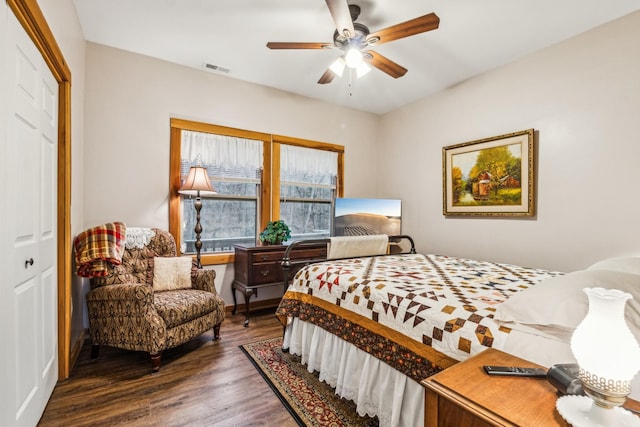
x=559, y=302
x=630, y=264
x=170, y=273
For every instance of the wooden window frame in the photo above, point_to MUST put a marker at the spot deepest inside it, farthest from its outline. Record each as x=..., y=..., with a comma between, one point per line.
x=270, y=181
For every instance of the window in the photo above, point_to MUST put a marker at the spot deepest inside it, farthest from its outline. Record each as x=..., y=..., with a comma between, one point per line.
x=307, y=190
x=234, y=166
x=258, y=177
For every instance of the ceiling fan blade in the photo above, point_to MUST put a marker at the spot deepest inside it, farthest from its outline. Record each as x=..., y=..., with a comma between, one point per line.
x=384, y=64
x=327, y=77
x=296, y=45
x=339, y=10
x=409, y=28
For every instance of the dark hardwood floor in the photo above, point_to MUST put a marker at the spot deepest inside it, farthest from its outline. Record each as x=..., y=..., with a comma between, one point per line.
x=201, y=383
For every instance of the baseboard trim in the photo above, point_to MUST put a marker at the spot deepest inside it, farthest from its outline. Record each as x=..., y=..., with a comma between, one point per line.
x=76, y=346
x=255, y=305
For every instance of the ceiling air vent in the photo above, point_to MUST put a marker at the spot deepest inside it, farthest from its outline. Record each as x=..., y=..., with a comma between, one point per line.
x=216, y=68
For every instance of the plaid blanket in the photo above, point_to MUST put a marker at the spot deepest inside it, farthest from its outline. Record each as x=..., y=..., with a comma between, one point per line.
x=98, y=247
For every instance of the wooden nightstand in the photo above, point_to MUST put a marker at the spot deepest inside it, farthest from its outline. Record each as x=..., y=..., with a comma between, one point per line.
x=464, y=395
x=258, y=267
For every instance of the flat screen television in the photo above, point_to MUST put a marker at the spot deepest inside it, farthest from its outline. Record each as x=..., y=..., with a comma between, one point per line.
x=356, y=217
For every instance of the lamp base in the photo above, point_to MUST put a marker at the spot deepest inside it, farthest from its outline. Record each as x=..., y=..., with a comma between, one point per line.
x=581, y=411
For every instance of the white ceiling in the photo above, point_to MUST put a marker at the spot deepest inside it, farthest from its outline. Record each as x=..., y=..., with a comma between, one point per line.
x=474, y=36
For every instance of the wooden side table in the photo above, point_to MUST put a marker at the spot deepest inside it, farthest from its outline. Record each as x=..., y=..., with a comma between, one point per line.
x=464, y=395
x=258, y=267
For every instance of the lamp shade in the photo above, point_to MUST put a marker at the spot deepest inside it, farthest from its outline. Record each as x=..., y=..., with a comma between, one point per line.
x=603, y=345
x=338, y=66
x=608, y=356
x=197, y=183
x=353, y=57
x=362, y=69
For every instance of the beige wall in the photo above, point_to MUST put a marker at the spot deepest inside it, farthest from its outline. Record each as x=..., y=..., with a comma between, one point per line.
x=129, y=101
x=583, y=98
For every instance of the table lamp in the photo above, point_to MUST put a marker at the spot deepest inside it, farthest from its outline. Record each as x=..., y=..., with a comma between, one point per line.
x=608, y=356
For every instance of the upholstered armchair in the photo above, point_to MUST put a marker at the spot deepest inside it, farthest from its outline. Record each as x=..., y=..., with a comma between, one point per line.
x=127, y=310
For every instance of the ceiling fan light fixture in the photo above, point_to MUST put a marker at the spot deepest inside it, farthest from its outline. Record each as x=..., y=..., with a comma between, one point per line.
x=353, y=38
x=353, y=57
x=362, y=69
x=338, y=66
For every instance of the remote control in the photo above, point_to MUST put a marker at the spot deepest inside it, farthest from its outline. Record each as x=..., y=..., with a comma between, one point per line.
x=516, y=371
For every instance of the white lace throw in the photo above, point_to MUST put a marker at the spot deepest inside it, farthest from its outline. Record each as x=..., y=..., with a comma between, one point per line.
x=138, y=237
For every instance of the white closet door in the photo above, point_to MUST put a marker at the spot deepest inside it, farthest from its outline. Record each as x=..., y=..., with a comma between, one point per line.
x=7, y=361
x=29, y=282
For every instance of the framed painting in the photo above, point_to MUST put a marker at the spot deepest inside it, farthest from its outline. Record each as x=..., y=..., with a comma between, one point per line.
x=490, y=177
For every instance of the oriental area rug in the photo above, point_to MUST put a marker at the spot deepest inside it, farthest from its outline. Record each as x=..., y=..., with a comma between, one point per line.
x=310, y=401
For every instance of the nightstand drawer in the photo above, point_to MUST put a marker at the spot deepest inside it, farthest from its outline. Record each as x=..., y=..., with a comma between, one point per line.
x=276, y=256
x=260, y=257
x=266, y=273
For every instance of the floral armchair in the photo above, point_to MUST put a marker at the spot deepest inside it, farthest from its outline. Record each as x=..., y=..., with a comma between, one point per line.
x=125, y=311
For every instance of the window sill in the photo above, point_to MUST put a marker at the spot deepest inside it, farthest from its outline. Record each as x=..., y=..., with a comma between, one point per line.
x=213, y=259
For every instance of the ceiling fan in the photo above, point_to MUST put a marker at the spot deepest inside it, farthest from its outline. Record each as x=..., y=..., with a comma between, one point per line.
x=353, y=38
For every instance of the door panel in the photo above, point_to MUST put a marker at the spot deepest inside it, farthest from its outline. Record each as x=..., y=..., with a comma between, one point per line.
x=30, y=176
x=49, y=325
x=23, y=148
x=27, y=383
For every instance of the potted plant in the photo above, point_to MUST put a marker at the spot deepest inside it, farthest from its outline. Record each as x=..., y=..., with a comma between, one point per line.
x=275, y=233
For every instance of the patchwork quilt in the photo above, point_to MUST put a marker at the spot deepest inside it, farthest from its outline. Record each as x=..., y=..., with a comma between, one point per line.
x=418, y=313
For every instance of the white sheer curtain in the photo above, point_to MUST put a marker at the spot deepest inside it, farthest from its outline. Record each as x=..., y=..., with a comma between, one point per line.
x=307, y=165
x=223, y=156
x=307, y=190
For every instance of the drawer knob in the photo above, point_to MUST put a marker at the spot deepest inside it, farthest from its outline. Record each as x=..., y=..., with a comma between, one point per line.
x=264, y=257
x=264, y=272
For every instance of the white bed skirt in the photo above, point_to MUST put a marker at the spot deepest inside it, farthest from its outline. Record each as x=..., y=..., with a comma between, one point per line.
x=376, y=388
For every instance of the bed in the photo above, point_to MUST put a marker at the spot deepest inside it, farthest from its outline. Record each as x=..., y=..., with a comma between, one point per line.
x=374, y=326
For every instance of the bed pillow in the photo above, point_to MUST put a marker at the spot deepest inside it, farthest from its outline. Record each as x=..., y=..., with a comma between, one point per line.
x=559, y=302
x=630, y=264
x=170, y=273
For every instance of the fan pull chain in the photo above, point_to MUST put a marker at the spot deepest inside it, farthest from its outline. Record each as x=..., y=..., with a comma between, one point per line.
x=350, y=81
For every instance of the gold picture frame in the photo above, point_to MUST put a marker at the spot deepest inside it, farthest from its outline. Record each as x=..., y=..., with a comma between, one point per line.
x=490, y=177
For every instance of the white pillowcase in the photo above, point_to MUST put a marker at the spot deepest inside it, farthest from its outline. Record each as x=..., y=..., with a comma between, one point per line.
x=170, y=273
x=559, y=302
x=628, y=264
